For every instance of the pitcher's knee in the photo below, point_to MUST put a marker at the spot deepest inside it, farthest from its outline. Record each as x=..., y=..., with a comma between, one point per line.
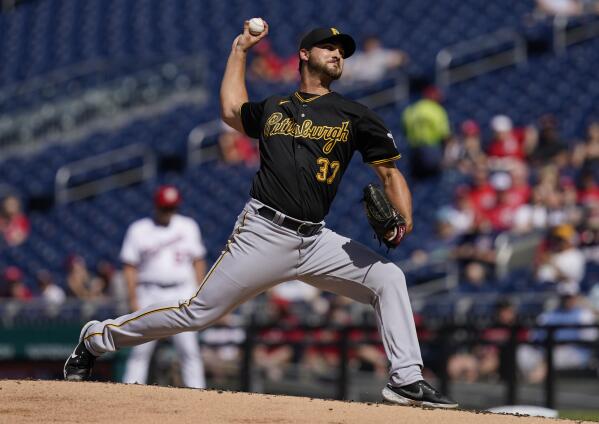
x=389, y=277
x=202, y=316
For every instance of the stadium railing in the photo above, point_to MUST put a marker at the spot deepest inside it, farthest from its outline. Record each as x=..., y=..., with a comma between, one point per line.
x=568, y=31
x=117, y=168
x=478, y=56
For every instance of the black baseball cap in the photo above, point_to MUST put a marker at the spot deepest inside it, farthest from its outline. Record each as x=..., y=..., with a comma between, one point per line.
x=322, y=35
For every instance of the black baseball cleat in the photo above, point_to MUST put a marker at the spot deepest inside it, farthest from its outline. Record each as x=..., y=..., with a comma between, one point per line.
x=419, y=393
x=78, y=366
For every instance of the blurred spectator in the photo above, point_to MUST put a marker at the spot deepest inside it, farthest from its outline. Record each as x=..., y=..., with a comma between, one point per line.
x=270, y=67
x=531, y=216
x=509, y=144
x=548, y=177
x=221, y=349
x=476, y=278
x=13, y=222
x=371, y=357
x=589, y=234
x=519, y=191
x=82, y=284
x=549, y=144
x=586, y=155
x=553, y=196
x=561, y=263
x=589, y=245
x=489, y=361
x=433, y=250
x=301, y=295
x=50, y=292
x=477, y=246
x=481, y=193
x=236, y=148
x=565, y=8
x=274, y=357
x=571, y=311
x=589, y=189
x=460, y=216
x=113, y=283
x=501, y=214
x=14, y=286
x=573, y=211
x=322, y=357
x=594, y=298
x=427, y=127
x=464, y=152
x=373, y=63
x=556, y=214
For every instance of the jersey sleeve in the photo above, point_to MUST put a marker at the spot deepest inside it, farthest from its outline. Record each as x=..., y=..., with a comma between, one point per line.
x=130, y=253
x=251, y=117
x=198, y=250
x=374, y=140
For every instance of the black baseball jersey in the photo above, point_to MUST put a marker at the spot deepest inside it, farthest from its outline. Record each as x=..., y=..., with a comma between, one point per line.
x=306, y=144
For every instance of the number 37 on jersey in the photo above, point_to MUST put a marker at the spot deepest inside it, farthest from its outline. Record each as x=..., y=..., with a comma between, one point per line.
x=328, y=170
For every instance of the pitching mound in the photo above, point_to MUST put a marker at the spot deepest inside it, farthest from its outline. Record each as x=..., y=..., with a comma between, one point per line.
x=68, y=402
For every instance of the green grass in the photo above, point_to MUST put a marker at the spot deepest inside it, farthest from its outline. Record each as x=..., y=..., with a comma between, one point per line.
x=580, y=414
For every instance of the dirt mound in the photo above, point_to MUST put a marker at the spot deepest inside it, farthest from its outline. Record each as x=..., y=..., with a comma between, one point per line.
x=68, y=402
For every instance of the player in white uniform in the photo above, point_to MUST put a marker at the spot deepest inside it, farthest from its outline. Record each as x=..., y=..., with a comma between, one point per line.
x=163, y=258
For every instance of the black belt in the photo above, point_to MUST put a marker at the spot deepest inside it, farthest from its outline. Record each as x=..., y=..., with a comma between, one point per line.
x=303, y=228
x=166, y=285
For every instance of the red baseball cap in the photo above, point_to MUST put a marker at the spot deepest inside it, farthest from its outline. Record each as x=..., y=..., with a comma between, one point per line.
x=470, y=127
x=167, y=196
x=433, y=93
x=12, y=274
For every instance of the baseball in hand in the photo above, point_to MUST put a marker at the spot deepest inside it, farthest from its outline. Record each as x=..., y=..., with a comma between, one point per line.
x=256, y=26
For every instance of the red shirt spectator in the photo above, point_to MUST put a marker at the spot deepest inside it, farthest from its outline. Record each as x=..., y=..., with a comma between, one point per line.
x=501, y=215
x=507, y=142
x=518, y=195
x=519, y=192
x=16, y=289
x=589, y=192
x=481, y=195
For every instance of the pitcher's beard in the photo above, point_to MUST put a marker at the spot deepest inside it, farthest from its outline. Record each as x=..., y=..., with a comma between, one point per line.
x=317, y=67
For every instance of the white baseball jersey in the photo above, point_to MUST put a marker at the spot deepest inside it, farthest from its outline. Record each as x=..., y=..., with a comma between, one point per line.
x=163, y=255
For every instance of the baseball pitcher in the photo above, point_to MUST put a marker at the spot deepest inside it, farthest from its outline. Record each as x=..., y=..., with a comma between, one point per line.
x=307, y=139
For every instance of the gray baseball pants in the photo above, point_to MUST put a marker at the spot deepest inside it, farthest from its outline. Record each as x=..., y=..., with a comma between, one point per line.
x=261, y=254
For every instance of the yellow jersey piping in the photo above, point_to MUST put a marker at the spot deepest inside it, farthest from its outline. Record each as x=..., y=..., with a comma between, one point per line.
x=301, y=99
x=376, y=162
x=186, y=303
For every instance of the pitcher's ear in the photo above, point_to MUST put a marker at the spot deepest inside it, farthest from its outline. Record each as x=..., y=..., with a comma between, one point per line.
x=304, y=54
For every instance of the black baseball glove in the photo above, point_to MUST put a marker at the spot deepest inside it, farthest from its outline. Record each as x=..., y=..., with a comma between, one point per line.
x=388, y=225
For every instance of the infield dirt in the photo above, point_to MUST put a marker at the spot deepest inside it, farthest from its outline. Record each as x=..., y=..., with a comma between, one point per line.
x=70, y=402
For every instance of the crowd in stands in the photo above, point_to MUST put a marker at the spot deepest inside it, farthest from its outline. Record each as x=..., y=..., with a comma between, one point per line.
x=518, y=180
x=105, y=283
x=525, y=180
